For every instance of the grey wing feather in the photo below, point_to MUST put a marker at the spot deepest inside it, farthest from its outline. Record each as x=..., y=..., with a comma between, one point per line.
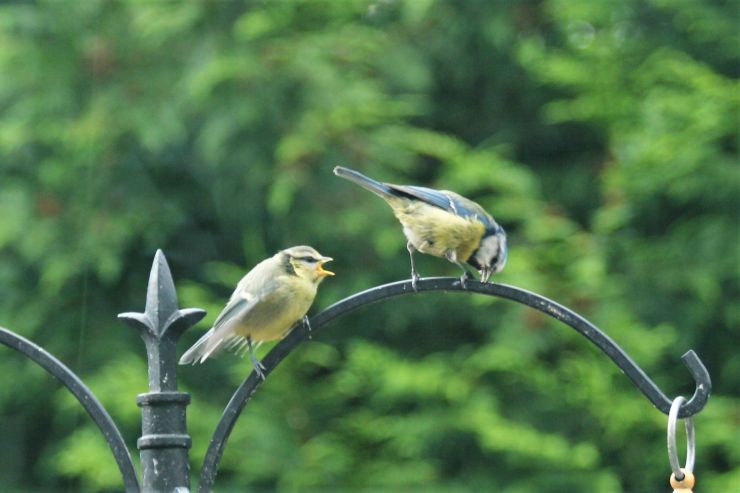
x=194, y=354
x=236, y=306
x=214, y=340
x=381, y=189
x=220, y=336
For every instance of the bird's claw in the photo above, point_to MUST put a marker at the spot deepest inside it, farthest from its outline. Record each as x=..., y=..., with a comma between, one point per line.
x=259, y=369
x=463, y=280
x=307, y=323
x=414, y=279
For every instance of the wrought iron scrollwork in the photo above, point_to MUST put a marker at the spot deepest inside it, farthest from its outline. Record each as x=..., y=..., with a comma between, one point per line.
x=86, y=398
x=164, y=442
x=244, y=392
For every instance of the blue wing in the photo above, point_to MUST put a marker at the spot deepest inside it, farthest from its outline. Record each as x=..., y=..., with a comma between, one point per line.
x=449, y=201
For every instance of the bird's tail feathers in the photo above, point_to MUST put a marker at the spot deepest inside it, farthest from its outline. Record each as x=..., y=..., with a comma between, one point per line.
x=378, y=188
x=201, y=350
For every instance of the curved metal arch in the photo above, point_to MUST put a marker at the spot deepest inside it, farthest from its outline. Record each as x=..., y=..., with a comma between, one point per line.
x=84, y=395
x=590, y=331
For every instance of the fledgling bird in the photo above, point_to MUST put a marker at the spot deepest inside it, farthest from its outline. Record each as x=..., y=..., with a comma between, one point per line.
x=441, y=223
x=273, y=296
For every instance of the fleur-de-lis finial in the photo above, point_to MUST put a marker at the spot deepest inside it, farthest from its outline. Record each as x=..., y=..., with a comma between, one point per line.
x=162, y=324
x=164, y=441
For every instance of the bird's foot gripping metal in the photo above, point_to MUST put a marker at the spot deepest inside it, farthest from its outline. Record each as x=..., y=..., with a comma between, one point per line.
x=452, y=257
x=414, y=275
x=414, y=279
x=464, y=279
x=259, y=368
x=307, y=323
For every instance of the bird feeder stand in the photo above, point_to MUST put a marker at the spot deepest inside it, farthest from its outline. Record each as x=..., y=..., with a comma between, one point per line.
x=165, y=442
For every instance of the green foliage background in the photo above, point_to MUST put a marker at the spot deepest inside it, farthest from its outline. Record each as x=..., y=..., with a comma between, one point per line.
x=602, y=134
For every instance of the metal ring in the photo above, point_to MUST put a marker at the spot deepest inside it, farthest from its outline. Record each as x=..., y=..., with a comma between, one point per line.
x=690, y=440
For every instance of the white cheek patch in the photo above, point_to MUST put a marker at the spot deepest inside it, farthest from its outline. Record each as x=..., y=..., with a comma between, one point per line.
x=488, y=250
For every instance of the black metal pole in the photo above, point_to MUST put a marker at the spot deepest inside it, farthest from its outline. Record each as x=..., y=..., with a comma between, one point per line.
x=164, y=441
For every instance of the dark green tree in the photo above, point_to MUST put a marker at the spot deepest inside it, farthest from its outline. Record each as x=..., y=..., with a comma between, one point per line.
x=602, y=135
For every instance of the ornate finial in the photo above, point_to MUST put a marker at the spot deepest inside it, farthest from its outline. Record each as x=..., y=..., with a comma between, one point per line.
x=164, y=442
x=162, y=324
x=161, y=316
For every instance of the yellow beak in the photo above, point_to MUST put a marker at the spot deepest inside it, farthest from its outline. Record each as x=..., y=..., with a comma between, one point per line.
x=320, y=267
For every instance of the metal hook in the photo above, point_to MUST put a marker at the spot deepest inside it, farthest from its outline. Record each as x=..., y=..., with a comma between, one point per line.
x=703, y=385
x=678, y=472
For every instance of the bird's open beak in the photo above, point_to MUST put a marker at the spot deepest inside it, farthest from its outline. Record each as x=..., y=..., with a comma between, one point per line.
x=320, y=267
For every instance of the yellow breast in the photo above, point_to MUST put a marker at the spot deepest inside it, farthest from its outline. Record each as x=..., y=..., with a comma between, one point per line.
x=274, y=314
x=436, y=232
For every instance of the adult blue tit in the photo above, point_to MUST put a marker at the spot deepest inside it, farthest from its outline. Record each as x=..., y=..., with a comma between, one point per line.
x=266, y=304
x=441, y=223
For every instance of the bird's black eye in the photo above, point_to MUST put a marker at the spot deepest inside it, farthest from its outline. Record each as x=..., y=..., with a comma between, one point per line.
x=307, y=259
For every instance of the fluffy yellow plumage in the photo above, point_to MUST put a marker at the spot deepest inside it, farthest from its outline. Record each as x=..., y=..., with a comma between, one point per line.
x=436, y=232
x=441, y=223
x=265, y=305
